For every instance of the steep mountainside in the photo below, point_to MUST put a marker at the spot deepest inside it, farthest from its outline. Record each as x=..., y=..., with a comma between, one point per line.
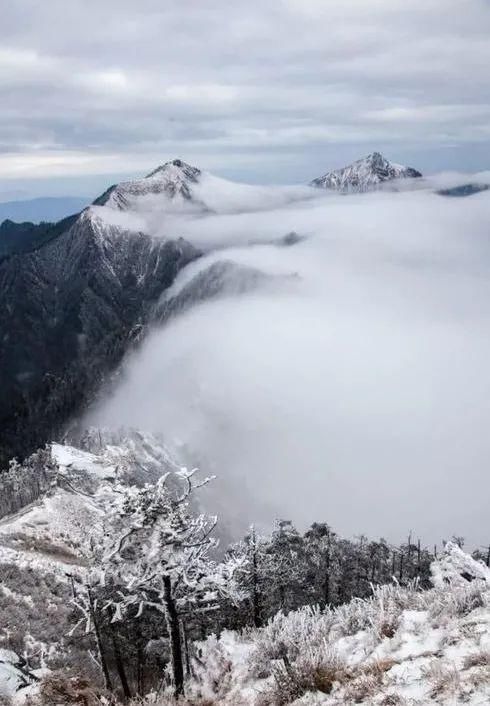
x=364, y=174
x=70, y=309
x=78, y=292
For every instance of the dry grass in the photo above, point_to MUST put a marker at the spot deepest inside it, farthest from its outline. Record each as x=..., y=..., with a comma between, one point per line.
x=379, y=667
x=361, y=688
x=172, y=701
x=62, y=688
x=324, y=677
x=388, y=627
x=444, y=679
x=391, y=700
x=479, y=677
x=293, y=681
x=367, y=680
x=479, y=659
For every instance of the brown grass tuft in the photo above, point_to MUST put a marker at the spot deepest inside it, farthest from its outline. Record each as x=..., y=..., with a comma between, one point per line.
x=479, y=659
x=61, y=688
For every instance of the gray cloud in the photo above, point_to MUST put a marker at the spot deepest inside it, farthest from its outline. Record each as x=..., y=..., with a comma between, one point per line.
x=282, y=89
x=355, y=391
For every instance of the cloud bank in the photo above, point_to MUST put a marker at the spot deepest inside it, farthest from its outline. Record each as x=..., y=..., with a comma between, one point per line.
x=353, y=385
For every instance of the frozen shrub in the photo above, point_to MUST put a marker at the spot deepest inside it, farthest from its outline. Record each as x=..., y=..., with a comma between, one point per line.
x=443, y=679
x=479, y=659
x=63, y=688
x=291, y=635
x=213, y=670
x=312, y=672
x=361, y=688
x=459, y=601
x=367, y=680
x=392, y=700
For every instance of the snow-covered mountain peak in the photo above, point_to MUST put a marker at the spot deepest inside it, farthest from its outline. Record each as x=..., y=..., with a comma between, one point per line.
x=170, y=181
x=364, y=174
x=175, y=171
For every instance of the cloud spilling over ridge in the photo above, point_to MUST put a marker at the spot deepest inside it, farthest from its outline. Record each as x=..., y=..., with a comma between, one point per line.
x=351, y=387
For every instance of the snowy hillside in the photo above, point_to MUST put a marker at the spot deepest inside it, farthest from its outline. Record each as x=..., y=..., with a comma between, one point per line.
x=364, y=174
x=45, y=544
x=401, y=646
x=51, y=532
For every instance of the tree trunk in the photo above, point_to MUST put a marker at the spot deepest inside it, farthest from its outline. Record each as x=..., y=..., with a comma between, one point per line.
x=255, y=584
x=139, y=672
x=120, y=666
x=173, y=627
x=98, y=641
x=326, y=580
x=186, y=650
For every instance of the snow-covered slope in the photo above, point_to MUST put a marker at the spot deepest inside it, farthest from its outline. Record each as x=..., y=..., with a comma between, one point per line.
x=172, y=180
x=401, y=647
x=51, y=532
x=364, y=174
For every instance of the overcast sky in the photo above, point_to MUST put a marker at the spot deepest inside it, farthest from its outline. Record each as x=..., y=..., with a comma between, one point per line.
x=262, y=90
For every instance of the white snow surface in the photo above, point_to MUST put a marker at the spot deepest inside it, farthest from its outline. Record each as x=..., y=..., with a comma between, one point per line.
x=51, y=534
x=456, y=567
x=11, y=679
x=69, y=458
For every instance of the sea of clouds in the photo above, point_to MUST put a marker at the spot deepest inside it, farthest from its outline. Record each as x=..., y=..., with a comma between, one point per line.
x=352, y=386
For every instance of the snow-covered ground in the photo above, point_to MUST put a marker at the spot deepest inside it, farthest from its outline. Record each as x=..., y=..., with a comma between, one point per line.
x=402, y=646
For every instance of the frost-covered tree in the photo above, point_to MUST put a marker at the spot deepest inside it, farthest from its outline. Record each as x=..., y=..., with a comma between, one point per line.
x=158, y=551
x=320, y=541
x=285, y=566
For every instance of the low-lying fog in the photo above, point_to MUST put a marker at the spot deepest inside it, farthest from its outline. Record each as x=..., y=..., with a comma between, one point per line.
x=354, y=387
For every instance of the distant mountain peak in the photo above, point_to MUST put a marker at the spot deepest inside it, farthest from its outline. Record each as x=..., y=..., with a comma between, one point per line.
x=364, y=174
x=176, y=167
x=172, y=180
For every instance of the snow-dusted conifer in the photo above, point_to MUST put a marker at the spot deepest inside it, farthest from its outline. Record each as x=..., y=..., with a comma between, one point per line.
x=158, y=551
